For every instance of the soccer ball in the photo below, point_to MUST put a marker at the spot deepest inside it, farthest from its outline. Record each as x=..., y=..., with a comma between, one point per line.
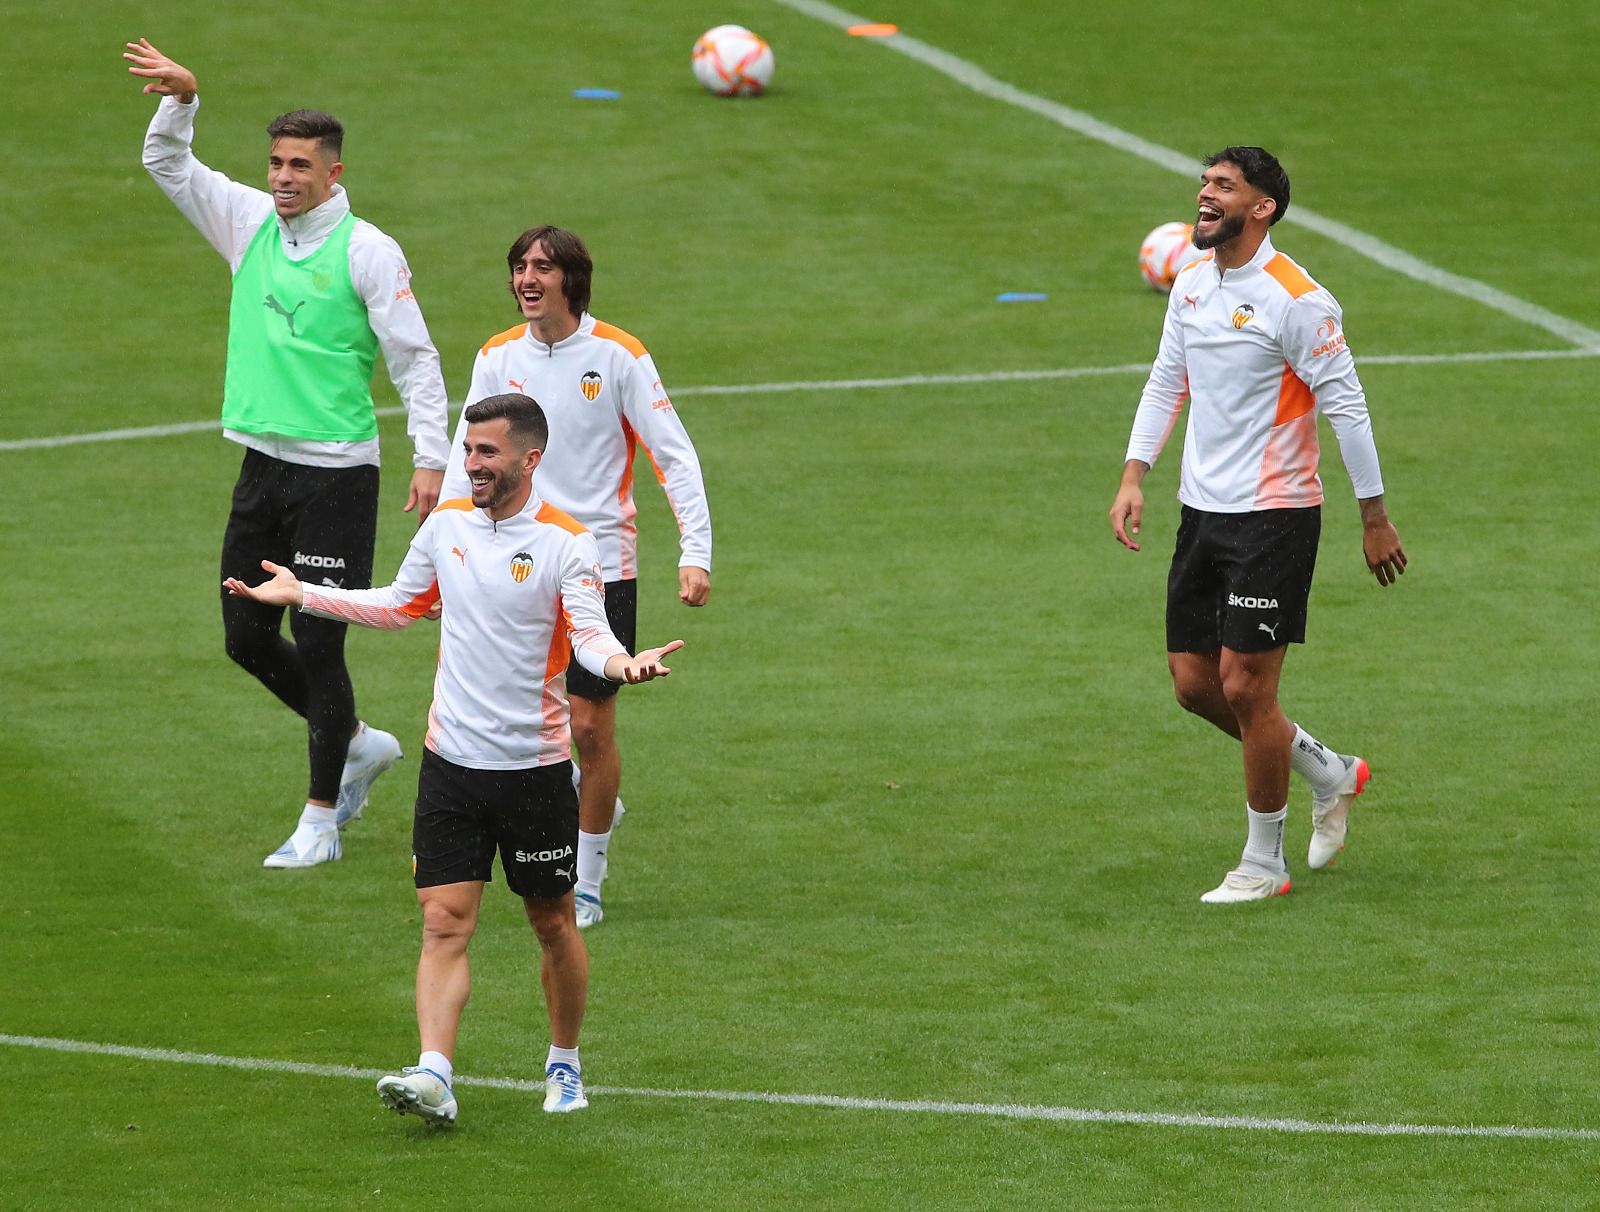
x=1164, y=252
x=732, y=62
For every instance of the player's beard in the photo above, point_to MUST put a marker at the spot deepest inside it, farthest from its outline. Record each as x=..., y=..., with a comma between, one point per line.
x=1228, y=227
x=500, y=489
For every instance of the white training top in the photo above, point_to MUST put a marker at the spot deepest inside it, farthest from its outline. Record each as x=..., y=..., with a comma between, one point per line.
x=228, y=215
x=1261, y=350
x=522, y=596
x=602, y=396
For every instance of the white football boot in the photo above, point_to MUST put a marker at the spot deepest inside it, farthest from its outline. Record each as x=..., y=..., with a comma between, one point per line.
x=563, y=1089
x=1241, y=885
x=420, y=1092
x=1330, y=816
x=307, y=846
x=379, y=751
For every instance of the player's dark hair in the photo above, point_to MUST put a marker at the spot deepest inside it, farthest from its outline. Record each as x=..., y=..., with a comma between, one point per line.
x=327, y=130
x=570, y=256
x=1261, y=168
x=528, y=425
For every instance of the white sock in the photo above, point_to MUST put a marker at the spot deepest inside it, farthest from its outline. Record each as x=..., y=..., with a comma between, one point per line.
x=1263, y=847
x=592, y=861
x=1314, y=761
x=440, y=1064
x=317, y=816
x=566, y=1056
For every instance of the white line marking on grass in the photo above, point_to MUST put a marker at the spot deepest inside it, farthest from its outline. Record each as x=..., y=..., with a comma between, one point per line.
x=1076, y=1115
x=979, y=81
x=759, y=389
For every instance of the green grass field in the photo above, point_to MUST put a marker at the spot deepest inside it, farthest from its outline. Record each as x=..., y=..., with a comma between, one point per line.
x=917, y=820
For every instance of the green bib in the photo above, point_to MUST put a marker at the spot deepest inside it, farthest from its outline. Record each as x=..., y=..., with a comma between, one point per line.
x=300, y=349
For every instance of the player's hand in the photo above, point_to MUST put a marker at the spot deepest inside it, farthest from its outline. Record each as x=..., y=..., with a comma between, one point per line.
x=1127, y=511
x=435, y=612
x=642, y=668
x=283, y=590
x=167, y=79
x=694, y=585
x=425, y=485
x=1385, y=557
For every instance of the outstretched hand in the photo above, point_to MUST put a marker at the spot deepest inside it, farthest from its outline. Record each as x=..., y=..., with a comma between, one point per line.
x=167, y=79
x=283, y=590
x=643, y=667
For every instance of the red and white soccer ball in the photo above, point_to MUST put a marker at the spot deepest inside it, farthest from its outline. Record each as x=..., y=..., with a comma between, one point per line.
x=1164, y=252
x=732, y=62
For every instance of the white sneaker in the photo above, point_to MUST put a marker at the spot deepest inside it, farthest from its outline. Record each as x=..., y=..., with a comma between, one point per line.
x=420, y=1092
x=1330, y=817
x=307, y=846
x=379, y=751
x=1241, y=885
x=563, y=1089
x=587, y=909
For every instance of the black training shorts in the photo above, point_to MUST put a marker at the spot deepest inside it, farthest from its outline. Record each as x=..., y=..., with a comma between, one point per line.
x=318, y=522
x=1241, y=580
x=622, y=611
x=463, y=815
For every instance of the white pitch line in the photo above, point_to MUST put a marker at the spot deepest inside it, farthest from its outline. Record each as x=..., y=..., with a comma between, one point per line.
x=759, y=389
x=1076, y=1115
x=979, y=81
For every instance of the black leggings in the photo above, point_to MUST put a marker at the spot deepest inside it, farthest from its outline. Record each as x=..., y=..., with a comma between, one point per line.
x=321, y=523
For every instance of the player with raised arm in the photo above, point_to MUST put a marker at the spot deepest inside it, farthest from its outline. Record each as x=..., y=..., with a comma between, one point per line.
x=521, y=585
x=1259, y=348
x=317, y=293
x=600, y=389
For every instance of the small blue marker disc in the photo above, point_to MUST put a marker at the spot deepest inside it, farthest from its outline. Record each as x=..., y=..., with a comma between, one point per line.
x=597, y=94
x=1022, y=296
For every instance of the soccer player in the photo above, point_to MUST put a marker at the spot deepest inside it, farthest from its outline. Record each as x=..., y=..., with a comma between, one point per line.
x=316, y=294
x=522, y=587
x=603, y=397
x=1260, y=349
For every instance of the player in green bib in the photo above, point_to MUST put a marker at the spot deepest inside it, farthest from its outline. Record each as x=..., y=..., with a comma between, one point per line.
x=317, y=294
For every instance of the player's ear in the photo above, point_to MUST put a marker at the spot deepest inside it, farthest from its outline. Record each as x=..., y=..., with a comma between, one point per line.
x=335, y=171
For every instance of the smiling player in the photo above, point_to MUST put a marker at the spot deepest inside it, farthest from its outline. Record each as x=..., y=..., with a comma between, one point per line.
x=521, y=585
x=600, y=390
x=316, y=294
x=1260, y=349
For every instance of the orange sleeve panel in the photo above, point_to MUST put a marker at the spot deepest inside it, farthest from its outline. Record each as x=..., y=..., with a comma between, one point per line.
x=549, y=514
x=1290, y=276
x=501, y=338
x=610, y=332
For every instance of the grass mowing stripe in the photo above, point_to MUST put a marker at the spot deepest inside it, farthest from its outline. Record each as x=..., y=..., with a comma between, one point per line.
x=756, y=389
x=1387, y=255
x=1077, y=1115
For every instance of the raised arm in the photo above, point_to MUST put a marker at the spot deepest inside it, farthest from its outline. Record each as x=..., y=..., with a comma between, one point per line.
x=226, y=213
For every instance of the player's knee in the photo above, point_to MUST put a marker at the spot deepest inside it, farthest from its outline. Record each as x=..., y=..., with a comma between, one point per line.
x=593, y=735
x=1246, y=693
x=1193, y=695
x=247, y=647
x=318, y=647
x=447, y=925
x=552, y=921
